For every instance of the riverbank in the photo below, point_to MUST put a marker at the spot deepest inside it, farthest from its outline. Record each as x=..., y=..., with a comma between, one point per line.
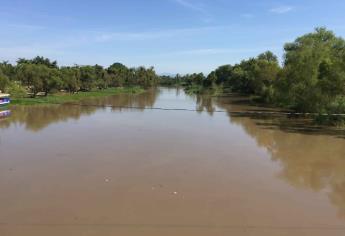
x=322, y=118
x=60, y=98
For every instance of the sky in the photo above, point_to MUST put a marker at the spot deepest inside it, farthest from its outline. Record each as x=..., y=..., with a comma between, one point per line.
x=174, y=36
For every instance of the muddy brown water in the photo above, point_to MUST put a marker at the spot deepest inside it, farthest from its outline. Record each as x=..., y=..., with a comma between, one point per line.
x=99, y=170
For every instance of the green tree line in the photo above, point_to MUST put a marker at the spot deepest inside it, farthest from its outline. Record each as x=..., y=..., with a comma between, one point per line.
x=310, y=79
x=41, y=75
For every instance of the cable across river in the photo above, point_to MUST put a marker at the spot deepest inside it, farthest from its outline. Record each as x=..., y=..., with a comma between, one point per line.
x=248, y=112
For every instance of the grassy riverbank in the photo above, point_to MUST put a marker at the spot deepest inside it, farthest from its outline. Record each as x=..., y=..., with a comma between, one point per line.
x=60, y=98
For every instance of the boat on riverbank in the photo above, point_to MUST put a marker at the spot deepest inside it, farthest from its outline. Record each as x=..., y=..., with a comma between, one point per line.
x=4, y=99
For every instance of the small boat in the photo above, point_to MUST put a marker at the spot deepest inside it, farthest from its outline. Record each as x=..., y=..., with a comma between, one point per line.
x=4, y=99
x=4, y=114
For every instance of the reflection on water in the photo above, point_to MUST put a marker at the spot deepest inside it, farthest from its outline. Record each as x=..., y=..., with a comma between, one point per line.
x=310, y=161
x=311, y=157
x=4, y=114
x=205, y=104
x=36, y=118
x=197, y=152
x=314, y=162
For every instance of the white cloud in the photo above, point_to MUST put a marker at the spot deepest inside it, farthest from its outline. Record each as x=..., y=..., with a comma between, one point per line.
x=281, y=9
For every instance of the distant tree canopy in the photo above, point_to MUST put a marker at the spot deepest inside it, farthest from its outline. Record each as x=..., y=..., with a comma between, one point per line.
x=41, y=75
x=253, y=76
x=38, y=61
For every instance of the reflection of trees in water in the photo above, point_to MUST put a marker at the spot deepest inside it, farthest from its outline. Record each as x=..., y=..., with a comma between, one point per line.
x=315, y=162
x=310, y=161
x=121, y=101
x=204, y=103
x=311, y=157
x=36, y=118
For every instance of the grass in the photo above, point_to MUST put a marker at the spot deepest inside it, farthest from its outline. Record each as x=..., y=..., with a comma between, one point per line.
x=61, y=98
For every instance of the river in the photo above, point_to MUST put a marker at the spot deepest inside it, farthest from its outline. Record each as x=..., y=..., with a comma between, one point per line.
x=197, y=166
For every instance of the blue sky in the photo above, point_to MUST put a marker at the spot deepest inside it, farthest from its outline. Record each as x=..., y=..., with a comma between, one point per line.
x=174, y=36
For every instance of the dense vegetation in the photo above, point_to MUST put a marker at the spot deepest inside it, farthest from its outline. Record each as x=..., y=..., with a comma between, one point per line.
x=41, y=76
x=310, y=79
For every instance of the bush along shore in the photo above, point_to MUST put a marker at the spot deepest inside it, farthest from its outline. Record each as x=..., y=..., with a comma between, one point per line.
x=311, y=78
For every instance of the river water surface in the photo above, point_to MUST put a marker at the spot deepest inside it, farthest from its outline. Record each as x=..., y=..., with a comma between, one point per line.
x=98, y=169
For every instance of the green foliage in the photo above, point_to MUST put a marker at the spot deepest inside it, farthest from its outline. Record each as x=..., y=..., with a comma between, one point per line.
x=223, y=73
x=38, y=61
x=70, y=77
x=253, y=77
x=16, y=90
x=312, y=78
x=39, y=78
x=4, y=81
x=42, y=76
x=118, y=74
x=211, y=80
x=88, y=78
x=7, y=69
x=314, y=73
x=194, y=79
x=194, y=89
x=145, y=77
x=170, y=80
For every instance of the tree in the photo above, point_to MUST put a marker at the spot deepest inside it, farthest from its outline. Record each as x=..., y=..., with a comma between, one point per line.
x=253, y=76
x=118, y=74
x=210, y=80
x=266, y=74
x=87, y=78
x=39, y=61
x=223, y=74
x=7, y=69
x=52, y=81
x=40, y=74
x=145, y=77
x=269, y=57
x=36, y=77
x=101, y=77
x=70, y=79
x=4, y=81
x=314, y=73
